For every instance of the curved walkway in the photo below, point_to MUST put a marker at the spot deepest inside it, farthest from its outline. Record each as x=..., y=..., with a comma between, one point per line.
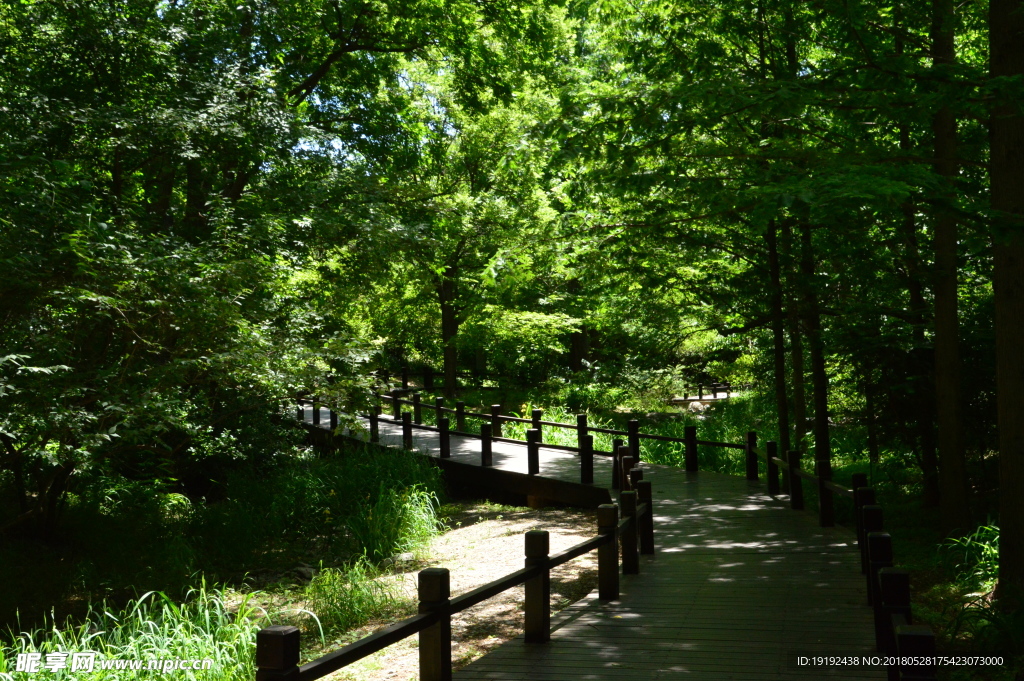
x=739, y=588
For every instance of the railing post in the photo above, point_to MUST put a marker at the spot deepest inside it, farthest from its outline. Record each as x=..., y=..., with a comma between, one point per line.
x=616, y=465
x=714, y=390
x=645, y=496
x=485, y=445
x=417, y=409
x=445, y=439
x=700, y=391
x=374, y=423
x=537, y=604
x=406, y=430
x=333, y=420
x=796, y=483
x=871, y=519
x=751, y=455
x=300, y=411
x=316, y=412
x=636, y=474
x=396, y=408
x=625, y=465
x=495, y=420
x=772, y=449
x=916, y=641
x=587, y=459
x=826, y=501
x=608, y=553
x=862, y=496
x=784, y=487
x=533, y=451
x=277, y=653
x=879, y=556
x=436, y=640
x=405, y=378
x=894, y=588
x=581, y=430
x=460, y=417
x=633, y=439
x=630, y=557
x=536, y=415
x=690, y=440
x=438, y=409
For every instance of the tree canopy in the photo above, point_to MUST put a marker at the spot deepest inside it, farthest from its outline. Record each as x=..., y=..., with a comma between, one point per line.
x=207, y=208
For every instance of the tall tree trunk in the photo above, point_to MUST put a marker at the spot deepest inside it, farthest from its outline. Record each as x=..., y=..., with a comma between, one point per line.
x=1006, y=38
x=819, y=377
x=579, y=350
x=869, y=417
x=796, y=351
x=952, y=467
x=447, y=293
x=778, y=335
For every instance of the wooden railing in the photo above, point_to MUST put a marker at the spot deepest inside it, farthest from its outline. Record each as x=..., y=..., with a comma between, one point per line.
x=277, y=647
x=888, y=587
x=910, y=647
x=427, y=377
x=491, y=431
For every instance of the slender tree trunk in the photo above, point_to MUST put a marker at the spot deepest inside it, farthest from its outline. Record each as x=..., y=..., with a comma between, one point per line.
x=579, y=352
x=195, y=201
x=819, y=377
x=778, y=335
x=447, y=294
x=796, y=351
x=869, y=417
x=952, y=468
x=1006, y=37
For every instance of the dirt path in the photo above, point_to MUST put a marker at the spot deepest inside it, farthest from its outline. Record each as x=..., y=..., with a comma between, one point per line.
x=486, y=542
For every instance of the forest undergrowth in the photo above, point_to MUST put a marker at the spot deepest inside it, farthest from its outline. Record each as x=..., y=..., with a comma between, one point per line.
x=300, y=543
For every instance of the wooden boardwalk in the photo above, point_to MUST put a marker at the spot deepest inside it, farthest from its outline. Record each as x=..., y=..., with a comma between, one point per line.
x=740, y=585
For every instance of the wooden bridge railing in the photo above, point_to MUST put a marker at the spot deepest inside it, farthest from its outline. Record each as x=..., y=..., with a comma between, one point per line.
x=277, y=647
x=428, y=376
x=888, y=587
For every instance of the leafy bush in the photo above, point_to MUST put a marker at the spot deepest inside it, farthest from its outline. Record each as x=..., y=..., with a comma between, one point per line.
x=127, y=536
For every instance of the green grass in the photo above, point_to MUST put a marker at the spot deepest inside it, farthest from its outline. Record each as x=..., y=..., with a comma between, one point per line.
x=153, y=627
x=349, y=511
x=118, y=543
x=345, y=598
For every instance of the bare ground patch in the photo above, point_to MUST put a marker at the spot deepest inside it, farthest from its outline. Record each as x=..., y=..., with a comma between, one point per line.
x=485, y=543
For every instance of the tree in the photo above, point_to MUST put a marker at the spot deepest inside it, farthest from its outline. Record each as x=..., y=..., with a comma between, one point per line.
x=1006, y=32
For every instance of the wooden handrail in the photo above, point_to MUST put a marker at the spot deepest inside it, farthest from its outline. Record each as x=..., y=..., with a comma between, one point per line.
x=364, y=647
x=580, y=549
x=510, y=440
x=277, y=647
x=491, y=589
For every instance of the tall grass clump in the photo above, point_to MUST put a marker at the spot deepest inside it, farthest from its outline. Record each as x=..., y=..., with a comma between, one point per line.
x=974, y=558
x=394, y=521
x=346, y=598
x=153, y=627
